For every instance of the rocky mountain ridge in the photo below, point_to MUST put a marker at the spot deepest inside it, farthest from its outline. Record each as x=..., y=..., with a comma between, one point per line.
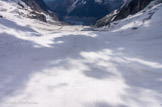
x=130, y=7
x=39, y=7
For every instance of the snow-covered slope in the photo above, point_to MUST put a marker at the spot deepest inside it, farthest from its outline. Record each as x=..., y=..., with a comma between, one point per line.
x=43, y=65
x=16, y=9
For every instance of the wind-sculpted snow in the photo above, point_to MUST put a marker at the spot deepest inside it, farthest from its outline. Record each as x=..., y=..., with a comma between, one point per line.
x=43, y=65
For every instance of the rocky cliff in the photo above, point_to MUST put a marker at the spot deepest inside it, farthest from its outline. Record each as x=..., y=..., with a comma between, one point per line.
x=130, y=7
x=38, y=7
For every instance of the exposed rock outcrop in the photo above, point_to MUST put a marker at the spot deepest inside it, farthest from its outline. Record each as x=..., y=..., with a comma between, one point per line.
x=36, y=15
x=130, y=7
x=39, y=8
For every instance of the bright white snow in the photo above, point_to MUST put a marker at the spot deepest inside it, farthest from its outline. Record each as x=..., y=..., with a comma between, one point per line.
x=43, y=65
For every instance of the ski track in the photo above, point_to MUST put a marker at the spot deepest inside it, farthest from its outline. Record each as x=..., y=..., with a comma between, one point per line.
x=53, y=66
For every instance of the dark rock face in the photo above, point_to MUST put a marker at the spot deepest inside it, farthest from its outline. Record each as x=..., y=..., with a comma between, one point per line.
x=129, y=8
x=133, y=7
x=42, y=5
x=36, y=15
x=83, y=8
x=106, y=20
x=39, y=6
x=33, y=5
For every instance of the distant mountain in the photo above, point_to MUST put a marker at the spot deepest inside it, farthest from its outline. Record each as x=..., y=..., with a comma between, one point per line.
x=84, y=8
x=130, y=7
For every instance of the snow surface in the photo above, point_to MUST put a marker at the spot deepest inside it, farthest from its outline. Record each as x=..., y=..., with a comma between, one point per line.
x=43, y=65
